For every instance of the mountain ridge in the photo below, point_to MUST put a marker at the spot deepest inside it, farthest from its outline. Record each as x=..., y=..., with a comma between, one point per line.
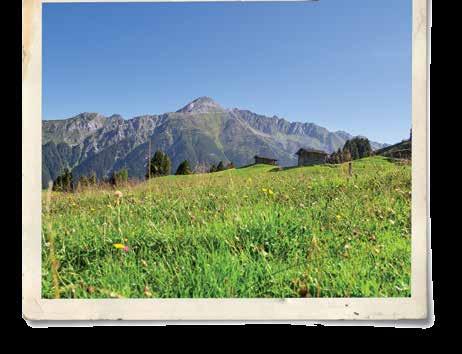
x=202, y=132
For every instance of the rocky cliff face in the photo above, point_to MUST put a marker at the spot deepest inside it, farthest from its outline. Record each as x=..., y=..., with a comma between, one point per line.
x=202, y=132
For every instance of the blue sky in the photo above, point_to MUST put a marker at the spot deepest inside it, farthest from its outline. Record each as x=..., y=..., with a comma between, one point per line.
x=345, y=65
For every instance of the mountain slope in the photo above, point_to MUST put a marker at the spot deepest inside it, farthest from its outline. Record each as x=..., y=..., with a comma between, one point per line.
x=202, y=132
x=392, y=150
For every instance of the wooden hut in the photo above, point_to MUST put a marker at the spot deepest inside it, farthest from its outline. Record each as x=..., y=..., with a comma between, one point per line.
x=265, y=160
x=309, y=157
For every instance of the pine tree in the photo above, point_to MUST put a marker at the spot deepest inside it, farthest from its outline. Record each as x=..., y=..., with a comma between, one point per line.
x=120, y=177
x=333, y=158
x=221, y=166
x=213, y=168
x=347, y=146
x=156, y=164
x=92, y=180
x=183, y=168
x=337, y=157
x=83, y=182
x=354, y=151
x=64, y=182
x=357, y=148
x=364, y=147
x=159, y=165
x=166, y=165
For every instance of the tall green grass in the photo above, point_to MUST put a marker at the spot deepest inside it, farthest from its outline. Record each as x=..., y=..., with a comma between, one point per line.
x=250, y=232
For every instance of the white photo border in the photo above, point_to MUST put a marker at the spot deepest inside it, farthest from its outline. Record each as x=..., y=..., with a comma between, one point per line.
x=35, y=308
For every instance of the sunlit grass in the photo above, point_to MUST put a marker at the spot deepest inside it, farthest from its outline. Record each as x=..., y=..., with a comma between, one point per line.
x=250, y=232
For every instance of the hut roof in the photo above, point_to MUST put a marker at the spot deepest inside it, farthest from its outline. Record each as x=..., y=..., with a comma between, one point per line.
x=302, y=150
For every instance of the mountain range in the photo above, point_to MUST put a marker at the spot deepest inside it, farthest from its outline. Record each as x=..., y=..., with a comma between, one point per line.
x=202, y=132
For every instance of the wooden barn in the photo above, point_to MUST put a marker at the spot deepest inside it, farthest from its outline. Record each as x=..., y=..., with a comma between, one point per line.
x=309, y=157
x=265, y=160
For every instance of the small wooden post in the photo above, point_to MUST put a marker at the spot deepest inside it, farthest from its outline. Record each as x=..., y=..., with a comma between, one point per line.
x=350, y=169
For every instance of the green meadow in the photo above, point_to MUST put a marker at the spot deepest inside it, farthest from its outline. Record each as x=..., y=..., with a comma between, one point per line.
x=243, y=233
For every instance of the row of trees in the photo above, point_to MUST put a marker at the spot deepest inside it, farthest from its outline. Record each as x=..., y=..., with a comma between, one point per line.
x=119, y=178
x=220, y=167
x=353, y=149
x=66, y=182
x=160, y=165
x=88, y=181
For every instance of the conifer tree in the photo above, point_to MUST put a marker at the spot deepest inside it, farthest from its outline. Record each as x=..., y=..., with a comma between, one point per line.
x=183, y=168
x=92, y=180
x=120, y=177
x=357, y=148
x=159, y=165
x=213, y=168
x=64, y=182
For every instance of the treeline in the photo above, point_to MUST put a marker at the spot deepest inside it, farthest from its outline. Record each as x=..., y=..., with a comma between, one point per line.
x=353, y=149
x=221, y=167
x=67, y=183
x=159, y=165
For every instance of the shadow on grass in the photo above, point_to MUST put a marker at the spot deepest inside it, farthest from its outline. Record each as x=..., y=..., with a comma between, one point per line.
x=280, y=168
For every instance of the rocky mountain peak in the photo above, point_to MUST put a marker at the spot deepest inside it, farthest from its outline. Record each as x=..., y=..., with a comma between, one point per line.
x=91, y=142
x=201, y=105
x=116, y=116
x=88, y=116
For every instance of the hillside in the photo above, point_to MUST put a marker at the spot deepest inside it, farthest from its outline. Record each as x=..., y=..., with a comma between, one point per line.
x=248, y=232
x=202, y=132
x=393, y=150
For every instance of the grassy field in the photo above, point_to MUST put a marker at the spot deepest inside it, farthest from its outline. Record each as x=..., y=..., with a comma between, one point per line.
x=250, y=232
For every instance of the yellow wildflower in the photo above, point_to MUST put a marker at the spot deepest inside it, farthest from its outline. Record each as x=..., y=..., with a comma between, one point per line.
x=147, y=291
x=119, y=245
